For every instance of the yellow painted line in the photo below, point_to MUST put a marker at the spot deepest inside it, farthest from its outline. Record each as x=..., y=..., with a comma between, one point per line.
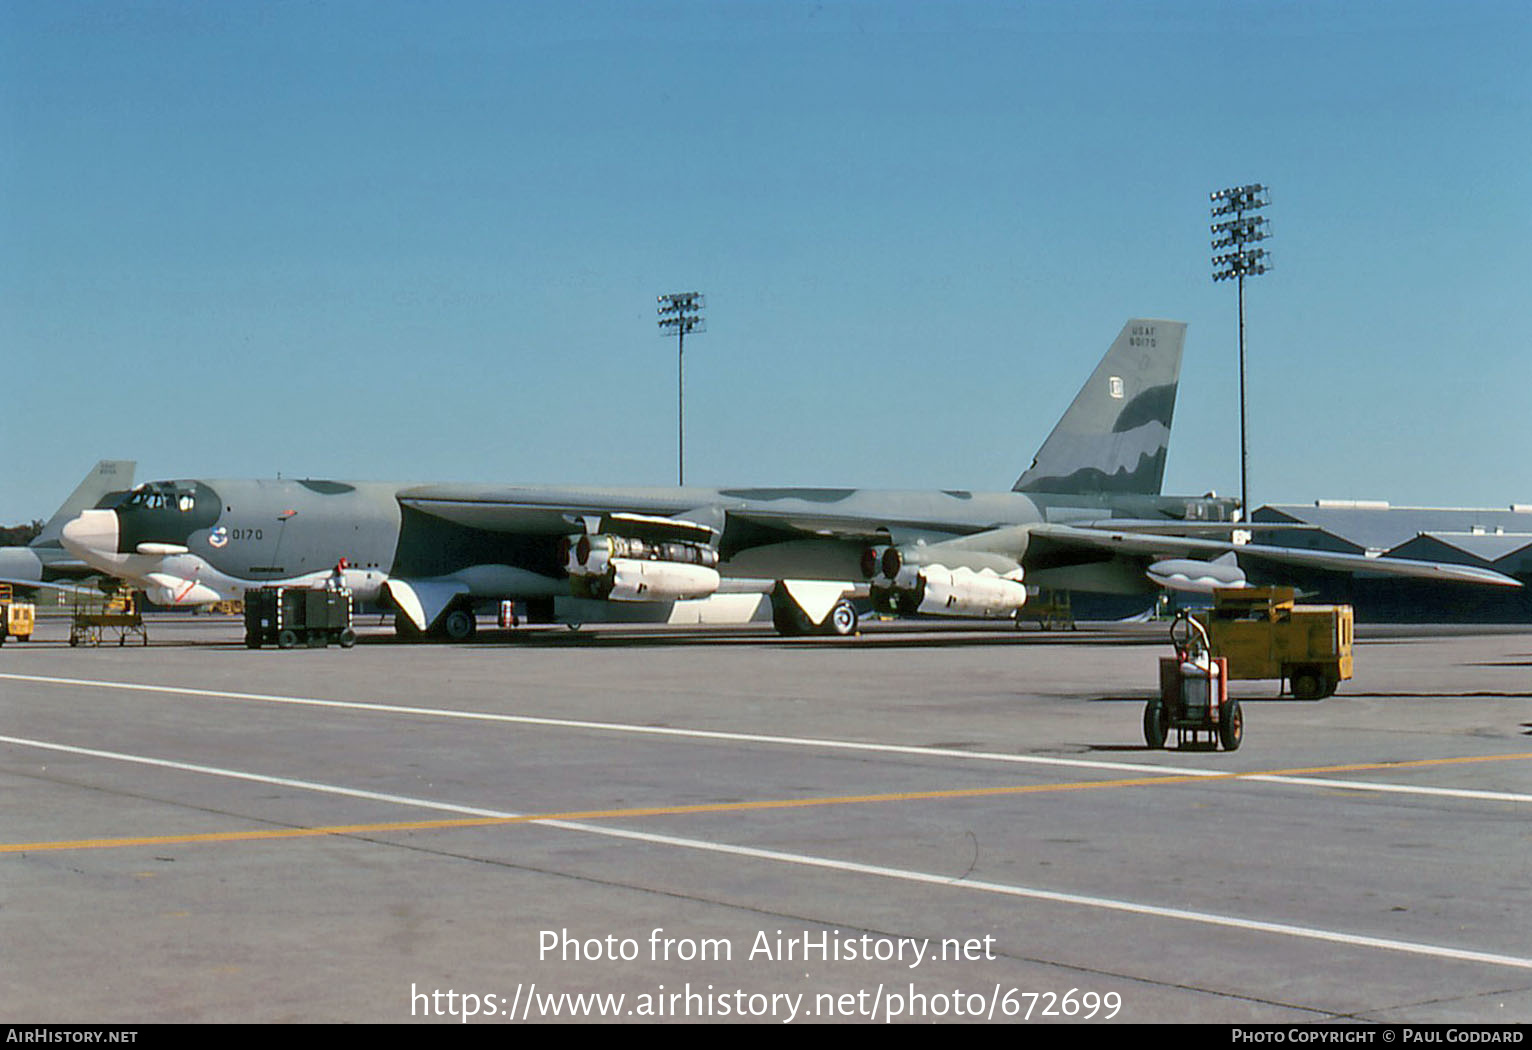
x=723, y=807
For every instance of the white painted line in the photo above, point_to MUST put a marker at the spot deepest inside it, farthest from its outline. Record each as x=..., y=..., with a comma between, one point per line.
x=258, y=778
x=1107, y=903
x=1396, y=789
x=781, y=741
x=831, y=864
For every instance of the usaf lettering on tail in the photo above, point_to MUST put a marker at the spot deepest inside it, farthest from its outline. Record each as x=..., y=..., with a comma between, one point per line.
x=1086, y=515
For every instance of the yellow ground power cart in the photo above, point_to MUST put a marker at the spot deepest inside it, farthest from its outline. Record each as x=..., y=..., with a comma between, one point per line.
x=1264, y=633
x=17, y=619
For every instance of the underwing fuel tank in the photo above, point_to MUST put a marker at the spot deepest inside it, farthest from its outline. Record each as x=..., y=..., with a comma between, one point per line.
x=1192, y=576
x=623, y=569
x=935, y=590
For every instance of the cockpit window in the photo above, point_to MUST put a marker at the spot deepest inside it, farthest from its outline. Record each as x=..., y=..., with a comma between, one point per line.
x=157, y=499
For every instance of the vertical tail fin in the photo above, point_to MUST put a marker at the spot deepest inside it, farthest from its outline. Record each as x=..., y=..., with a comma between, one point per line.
x=107, y=477
x=1114, y=436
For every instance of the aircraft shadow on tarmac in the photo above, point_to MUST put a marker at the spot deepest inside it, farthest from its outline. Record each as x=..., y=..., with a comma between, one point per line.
x=556, y=637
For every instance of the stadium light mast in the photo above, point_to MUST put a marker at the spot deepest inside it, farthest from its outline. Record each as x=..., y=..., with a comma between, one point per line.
x=680, y=313
x=1242, y=261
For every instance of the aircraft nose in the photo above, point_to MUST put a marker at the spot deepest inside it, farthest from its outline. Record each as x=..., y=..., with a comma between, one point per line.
x=92, y=531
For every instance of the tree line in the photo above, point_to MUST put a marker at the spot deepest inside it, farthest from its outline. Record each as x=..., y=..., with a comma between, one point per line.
x=19, y=535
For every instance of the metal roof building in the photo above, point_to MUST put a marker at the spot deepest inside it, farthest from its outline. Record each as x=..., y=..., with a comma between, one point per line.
x=1487, y=538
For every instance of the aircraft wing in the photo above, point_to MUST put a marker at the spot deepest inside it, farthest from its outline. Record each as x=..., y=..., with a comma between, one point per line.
x=1146, y=545
x=1182, y=527
x=67, y=588
x=554, y=511
x=530, y=511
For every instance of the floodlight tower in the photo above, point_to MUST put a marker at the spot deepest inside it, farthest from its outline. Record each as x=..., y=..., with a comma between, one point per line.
x=680, y=314
x=1238, y=233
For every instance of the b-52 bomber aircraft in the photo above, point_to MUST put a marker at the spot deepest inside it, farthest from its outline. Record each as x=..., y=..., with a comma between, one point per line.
x=1086, y=515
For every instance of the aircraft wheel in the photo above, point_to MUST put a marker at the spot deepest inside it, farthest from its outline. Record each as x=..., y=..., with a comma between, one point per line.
x=405, y=629
x=287, y=638
x=1231, y=726
x=1155, y=725
x=842, y=621
x=460, y=625
x=347, y=638
x=1308, y=684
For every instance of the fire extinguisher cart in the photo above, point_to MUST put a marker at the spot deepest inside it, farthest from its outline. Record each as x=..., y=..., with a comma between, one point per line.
x=1194, y=694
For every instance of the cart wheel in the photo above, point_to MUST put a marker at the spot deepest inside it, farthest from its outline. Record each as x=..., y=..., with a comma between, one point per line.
x=1155, y=725
x=287, y=638
x=1308, y=684
x=347, y=638
x=1231, y=726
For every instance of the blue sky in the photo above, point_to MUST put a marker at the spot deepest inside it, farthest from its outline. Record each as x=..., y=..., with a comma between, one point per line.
x=393, y=240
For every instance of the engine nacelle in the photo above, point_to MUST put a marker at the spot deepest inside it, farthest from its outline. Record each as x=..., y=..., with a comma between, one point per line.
x=624, y=569
x=934, y=590
x=639, y=580
x=592, y=555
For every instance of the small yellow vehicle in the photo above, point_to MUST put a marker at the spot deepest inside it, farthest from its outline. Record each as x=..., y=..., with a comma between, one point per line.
x=1264, y=633
x=17, y=619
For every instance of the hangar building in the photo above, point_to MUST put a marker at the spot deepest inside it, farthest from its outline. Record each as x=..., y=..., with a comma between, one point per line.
x=1486, y=538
